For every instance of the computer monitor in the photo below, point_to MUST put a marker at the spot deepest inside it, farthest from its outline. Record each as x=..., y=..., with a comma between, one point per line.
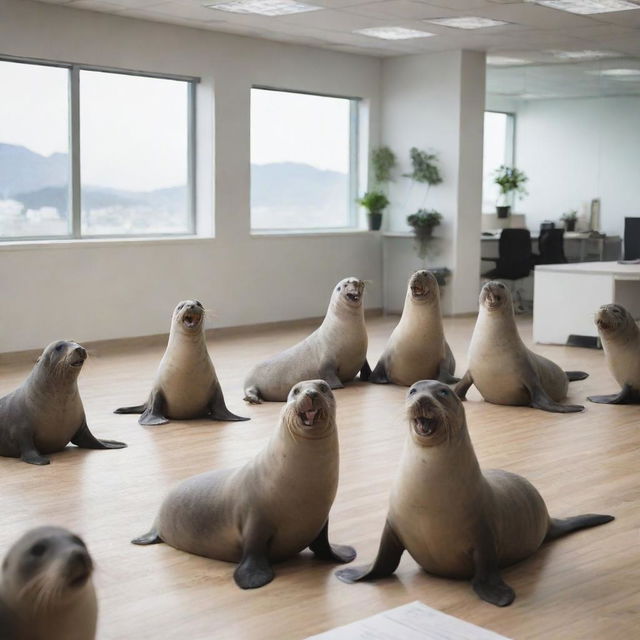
x=632, y=238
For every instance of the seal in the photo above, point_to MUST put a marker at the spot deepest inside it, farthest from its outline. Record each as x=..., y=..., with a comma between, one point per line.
x=186, y=385
x=271, y=508
x=620, y=339
x=45, y=413
x=455, y=520
x=417, y=348
x=46, y=592
x=335, y=351
x=503, y=369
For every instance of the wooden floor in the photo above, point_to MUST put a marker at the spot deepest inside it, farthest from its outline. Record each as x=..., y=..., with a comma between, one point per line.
x=586, y=585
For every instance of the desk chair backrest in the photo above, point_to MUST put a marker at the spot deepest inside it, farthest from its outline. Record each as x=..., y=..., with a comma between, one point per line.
x=631, y=238
x=514, y=254
x=551, y=246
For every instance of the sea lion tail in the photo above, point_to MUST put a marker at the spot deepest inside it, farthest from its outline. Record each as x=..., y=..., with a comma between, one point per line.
x=559, y=527
x=151, y=537
x=137, y=409
x=576, y=375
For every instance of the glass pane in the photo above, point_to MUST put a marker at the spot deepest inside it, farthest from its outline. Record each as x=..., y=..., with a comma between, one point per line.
x=134, y=163
x=34, y=148
x=300, y=159
x=495, y=154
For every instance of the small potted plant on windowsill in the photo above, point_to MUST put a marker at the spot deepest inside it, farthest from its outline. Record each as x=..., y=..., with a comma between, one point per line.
x=570, y=218
x=423, y=222
x=375, y=202
x=511, y=181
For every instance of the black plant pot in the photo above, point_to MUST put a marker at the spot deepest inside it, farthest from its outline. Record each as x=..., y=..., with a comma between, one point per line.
x=375, y=220
x=504, y=211
x=570, y=225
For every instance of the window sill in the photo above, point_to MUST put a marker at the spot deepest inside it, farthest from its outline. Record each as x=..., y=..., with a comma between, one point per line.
x=311, y=233
x=84, y=243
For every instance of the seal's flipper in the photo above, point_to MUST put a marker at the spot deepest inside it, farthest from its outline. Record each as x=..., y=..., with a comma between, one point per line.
x=28, y=451
x=84, y=439
x=155, y=408
x=252, y=395
x=386, y=562
x=379, y=374
x=572, y=376
x=627, y=395
x=541, y=400
x=151, y=537
x=329, y=375
x=324, y=550
x=445, y=373
x=559, y=527
x=463, y=386
x=365, y=372
x=254, y=569
x=218, y=409
x=140, y=408
x=33, y=457
x=487, y=581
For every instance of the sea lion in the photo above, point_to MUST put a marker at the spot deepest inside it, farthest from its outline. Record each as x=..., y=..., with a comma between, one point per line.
x=455, y=520
x=272, y=507
x=45, y=413
x=46, y=592
x=335, y=351
x=503, y=369
x=417, y=349
x=186, y=385
x=620, y=338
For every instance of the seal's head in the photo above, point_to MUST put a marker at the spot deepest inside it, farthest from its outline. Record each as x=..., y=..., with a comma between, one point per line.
x=435, y=413
x=613, y=319
x=348, y=293
x=311, y=409
x=495, y=296
x=189, y=316
x=46, y=568
x=423, y=287
x=62, y=358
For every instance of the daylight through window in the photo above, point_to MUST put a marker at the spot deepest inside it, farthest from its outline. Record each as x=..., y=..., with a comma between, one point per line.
x=498, y=150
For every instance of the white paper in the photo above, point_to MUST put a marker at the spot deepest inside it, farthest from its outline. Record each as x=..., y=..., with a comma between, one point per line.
x=414, y=621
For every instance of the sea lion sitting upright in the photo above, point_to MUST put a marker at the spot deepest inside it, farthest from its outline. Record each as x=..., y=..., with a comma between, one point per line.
x=46, y=591
x=186, y=385
x=455, y=520
x=45, y=413
x=503, y=369
x=271, y=508
x=417, y=349
x=335, y=351
x=620, y=338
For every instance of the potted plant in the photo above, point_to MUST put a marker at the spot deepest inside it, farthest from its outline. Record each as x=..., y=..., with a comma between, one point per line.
x=423, y=222
x=570, y=218
x=375, y=203
x=383, y=160
x=511, y=181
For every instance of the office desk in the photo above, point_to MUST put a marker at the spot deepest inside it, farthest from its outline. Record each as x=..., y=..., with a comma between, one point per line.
x=566, y=297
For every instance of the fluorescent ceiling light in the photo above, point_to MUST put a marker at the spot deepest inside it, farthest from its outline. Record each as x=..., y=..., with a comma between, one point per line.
x=617, y=73
x=504, y=61
x=467, y=22
x=262, y=7
x=393, y=33
x=585, y=54
x=586, y=7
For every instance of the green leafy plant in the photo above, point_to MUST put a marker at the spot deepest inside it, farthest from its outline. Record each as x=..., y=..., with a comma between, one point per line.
x=383, y=160
x=425, y=168
x=510, y=179
x=423, y=222
x=374, y=201
x=570, y=216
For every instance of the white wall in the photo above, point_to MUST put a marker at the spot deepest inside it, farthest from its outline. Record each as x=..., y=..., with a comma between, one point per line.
x=576, y=150
x=108, y=289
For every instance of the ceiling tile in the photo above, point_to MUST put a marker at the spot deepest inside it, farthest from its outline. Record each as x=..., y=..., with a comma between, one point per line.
x=404, y=9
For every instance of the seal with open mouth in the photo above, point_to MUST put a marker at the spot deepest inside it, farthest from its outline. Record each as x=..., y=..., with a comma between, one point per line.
x=271, y=508
x=46, y=591
x=620, y=338
x=45, y=413
x=417, y=348
x=455, y=520
x=503, y=369
x=186, y=385
x=335, y=351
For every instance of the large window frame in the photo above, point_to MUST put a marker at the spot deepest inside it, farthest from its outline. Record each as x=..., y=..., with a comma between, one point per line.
x=75, y=220
x=353, y=222
x=509, y=142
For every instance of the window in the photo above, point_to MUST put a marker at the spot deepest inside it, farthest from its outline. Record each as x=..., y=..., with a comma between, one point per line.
x=94, y=153
x=498, y=150
x=303, y=161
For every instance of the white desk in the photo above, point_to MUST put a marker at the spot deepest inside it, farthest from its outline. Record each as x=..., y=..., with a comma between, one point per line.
x=566, y=297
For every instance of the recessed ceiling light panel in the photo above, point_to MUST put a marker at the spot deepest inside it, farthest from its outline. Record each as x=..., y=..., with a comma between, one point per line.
x=504, y=61
x=586, y=54
x=262, y=7
x=467, y=22
x=617, y=73
x=586, y=7
x=393, y=33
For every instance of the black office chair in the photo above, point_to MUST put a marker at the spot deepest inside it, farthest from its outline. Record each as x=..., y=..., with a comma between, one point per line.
x=632, y=238
x=550, y=247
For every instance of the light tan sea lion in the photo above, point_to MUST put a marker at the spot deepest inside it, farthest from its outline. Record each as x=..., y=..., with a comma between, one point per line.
x=455, y=520
x=334, y=352
x=417, y=349
x=45, y=412
x=46, y=591
x=186, y=385
x=620, y=338
x=503, y=369
x=271, y=508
